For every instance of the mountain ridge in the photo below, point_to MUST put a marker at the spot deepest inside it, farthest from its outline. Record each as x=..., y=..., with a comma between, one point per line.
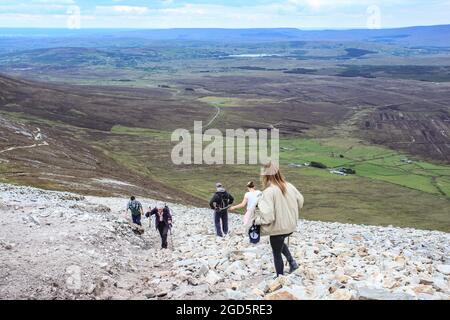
x=419, y=35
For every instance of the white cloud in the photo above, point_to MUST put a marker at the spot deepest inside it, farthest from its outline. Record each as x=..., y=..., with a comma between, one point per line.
x=130, y=9
x=33, y=20
x=104, y=10
x=39, y=9
x=279, y=13
x=53, y=2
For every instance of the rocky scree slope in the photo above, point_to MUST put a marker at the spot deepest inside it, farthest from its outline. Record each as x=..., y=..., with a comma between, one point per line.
x=57, y=245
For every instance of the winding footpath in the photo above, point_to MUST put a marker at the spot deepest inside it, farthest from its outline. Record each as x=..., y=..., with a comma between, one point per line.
x=217, y=114
x=37, y=137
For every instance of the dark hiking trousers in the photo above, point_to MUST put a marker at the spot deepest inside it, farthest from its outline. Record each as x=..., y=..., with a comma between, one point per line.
x=136, y=219
x=221, y=222
x=163, y=229
x=280, y=248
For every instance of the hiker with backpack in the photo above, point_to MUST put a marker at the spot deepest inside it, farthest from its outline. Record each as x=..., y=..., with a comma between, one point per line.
x=163, y=222
x=277, y=214
x=249, y=202
x=136, y=210
x=220, y=203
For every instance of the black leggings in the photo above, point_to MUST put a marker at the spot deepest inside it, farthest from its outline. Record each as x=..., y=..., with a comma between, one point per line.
x=279, y=248
x=163, y=229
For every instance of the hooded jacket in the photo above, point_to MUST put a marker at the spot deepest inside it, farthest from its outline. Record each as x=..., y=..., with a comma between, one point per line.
x=216, y=200
x=277, y=214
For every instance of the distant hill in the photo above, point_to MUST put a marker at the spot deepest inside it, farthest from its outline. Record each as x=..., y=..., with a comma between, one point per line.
x=422, y=36
x=433, y=36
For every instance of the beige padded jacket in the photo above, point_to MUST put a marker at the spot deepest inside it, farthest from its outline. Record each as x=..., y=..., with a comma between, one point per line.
x=277, y=214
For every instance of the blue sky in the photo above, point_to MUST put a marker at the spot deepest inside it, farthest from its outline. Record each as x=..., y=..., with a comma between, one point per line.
x=223, y=13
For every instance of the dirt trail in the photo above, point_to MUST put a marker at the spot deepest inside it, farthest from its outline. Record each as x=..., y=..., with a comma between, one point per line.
x=219, y=110
x=37, y=136
x=25, y=147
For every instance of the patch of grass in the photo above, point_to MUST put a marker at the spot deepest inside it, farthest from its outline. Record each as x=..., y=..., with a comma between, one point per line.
x=4, y=169
x=443, y=183
x=413, y=181
x=223, y=101
x=9, y=174
x=128, y=159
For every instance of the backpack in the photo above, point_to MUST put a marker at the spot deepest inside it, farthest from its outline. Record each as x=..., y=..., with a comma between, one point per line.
x=254, y=234
x=135, y=208
x=224, y=202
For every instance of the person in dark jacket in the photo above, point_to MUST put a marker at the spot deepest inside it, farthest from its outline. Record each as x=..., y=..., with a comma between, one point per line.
x=163, y=222
x=220, y=203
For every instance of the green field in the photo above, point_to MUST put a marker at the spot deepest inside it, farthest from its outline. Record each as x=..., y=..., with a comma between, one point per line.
x=371, y=162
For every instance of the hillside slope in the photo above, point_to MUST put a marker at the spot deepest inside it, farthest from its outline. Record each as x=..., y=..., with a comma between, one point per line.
x=110, y=141
x=66, y=246
x=53, y=136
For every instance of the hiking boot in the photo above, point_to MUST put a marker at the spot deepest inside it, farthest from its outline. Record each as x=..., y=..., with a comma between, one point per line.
x=294, y=266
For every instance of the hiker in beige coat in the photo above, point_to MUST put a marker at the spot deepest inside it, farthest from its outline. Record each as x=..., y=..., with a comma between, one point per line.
x=277, y=214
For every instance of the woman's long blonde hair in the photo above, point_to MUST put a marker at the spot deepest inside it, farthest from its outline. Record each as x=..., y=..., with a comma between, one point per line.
x=271, y=174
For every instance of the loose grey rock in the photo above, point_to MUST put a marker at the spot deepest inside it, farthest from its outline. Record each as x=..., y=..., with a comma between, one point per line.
x=86, y=249
x=212, y=278
x=443, y=268
x=35, y=220
x=235, y=295
x=366, y=293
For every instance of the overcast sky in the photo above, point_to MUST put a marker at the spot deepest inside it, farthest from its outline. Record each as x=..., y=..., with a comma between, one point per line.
x=223, y=13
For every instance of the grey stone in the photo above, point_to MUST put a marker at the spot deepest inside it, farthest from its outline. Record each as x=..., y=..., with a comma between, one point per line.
x=212, y=278
x=234, y=294
x=367, y=293
x=443, y=268
x=35, y=220
x=203, y=270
